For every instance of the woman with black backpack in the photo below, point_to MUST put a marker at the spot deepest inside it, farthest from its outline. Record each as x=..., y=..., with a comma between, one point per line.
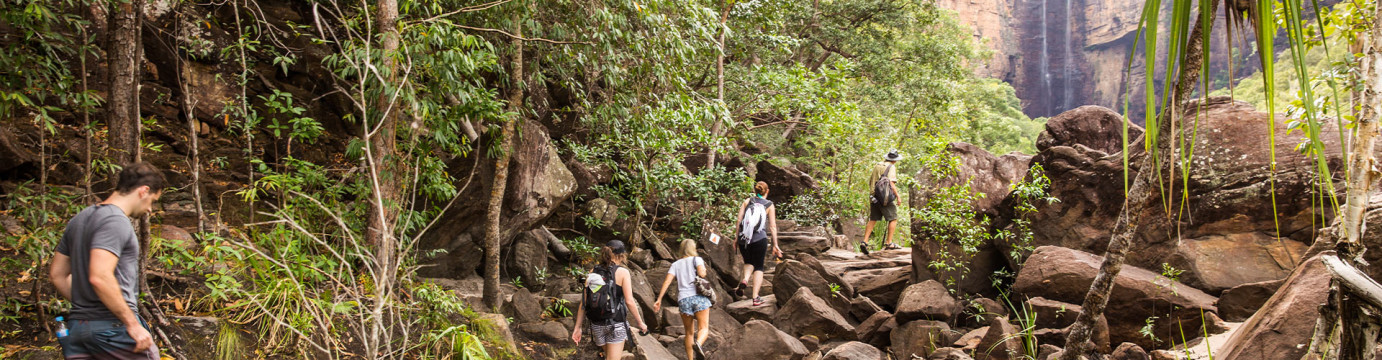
x=606, y=301
x=757, y=219
x=694, y=298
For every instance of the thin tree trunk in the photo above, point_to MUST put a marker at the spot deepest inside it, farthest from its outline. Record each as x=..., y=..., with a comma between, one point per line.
x=501, y=169
x=1142, y=194
x=383, y=145
x=716, y=129
x=192, y=157
x=384, y=175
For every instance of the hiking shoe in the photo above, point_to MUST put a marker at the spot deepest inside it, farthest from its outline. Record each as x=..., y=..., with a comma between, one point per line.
x=739, y=290
x=864, y=248
x=700, y=353
x=758, y=301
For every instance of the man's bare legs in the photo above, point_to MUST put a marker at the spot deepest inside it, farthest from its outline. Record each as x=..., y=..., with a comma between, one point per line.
x=868, y=233
x=892, y=229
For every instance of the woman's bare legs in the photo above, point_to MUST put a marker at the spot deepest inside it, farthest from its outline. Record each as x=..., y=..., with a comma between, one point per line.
x=702, y=325
x=757, y=282
x=688, y=324
x=748, y=271
x=614, y=351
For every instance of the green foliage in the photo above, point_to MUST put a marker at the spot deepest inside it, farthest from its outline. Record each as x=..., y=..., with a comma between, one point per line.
x=1029, y=193
x=1148, y=329
x=821, y=206
x=948, y=219
x=995, y=119
x=45, y=39
x=558, y=309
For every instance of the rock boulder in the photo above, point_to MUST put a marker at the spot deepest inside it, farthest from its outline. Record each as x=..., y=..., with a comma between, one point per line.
x=854, y=350
x=759, y=340
x=928, y=300
x=1240, y=302
x=919, y=338
x=1281, y=329
x=1065, y=275
x=807, y=314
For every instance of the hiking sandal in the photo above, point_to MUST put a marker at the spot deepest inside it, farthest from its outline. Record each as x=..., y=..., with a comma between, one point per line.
x=864, y=248
x=891, y=246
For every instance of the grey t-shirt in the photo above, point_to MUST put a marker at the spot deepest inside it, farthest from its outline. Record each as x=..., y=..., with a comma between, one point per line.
x=685, y=271
x=107, y=228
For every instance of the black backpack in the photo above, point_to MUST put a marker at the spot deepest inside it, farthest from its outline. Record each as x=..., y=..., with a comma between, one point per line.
x=605, y=306
x=883, y=189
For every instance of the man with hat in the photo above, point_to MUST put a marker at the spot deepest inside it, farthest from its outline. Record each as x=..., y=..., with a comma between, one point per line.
x=883, y=200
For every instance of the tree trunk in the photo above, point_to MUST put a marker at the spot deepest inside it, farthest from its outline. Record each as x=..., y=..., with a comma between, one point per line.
x=193, y=158
x=123, y=60
x=383, y=147
x=501, y=169
x=1140, y=195
x=1360, y=165
x=1358, y=338
x=715, y=129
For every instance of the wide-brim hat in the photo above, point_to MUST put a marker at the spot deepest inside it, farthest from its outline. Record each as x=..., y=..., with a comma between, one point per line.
x=893, y=156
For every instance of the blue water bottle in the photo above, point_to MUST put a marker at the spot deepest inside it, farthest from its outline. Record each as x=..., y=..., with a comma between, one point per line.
x=61, y=332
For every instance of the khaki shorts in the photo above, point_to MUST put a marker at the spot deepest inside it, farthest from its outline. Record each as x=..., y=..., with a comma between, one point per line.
x=877, y=212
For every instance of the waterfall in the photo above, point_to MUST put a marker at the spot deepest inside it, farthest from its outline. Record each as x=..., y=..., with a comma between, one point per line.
x=1069, y=71
x=1045, y=53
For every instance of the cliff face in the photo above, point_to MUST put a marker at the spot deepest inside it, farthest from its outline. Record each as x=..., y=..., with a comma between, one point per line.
x=1062, y=54
x=992, y=23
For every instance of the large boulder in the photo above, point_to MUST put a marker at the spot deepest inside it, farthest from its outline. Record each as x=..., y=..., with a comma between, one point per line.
x=861, y=307
x=806, y=314
x=1079, y=153
x=759, y=340
x=1065, y=275
x=523, y=306
x=1001, y=342
x=1051, y=314
x=527, y=258
x=883, y=286
x=949, y=354
x=1234, y=213
x=990, y=179
x=538, y=183
x=646, y=347
x=1282, y=328
x=645, y=296
x=546, y=331
x=919, y=338
x=928, y=300
x=722, y=256
x=854, y=350
x=784, y=182
x=802, y=243
x=1129, y=351
x=1240, y=302
x=792, y=275
x=744, y=310
x=875, y=329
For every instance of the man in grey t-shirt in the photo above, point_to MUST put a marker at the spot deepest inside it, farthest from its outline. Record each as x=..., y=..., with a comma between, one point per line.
x=97, y=267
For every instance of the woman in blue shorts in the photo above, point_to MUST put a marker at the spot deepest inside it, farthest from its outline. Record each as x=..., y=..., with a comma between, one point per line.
x=695, y=308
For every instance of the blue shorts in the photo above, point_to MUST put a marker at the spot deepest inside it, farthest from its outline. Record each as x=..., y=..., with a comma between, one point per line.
x=101, y=339
x=693, y=304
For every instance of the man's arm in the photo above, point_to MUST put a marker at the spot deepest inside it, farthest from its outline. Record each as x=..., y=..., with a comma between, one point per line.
x=60, y=273
x=103, y=281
